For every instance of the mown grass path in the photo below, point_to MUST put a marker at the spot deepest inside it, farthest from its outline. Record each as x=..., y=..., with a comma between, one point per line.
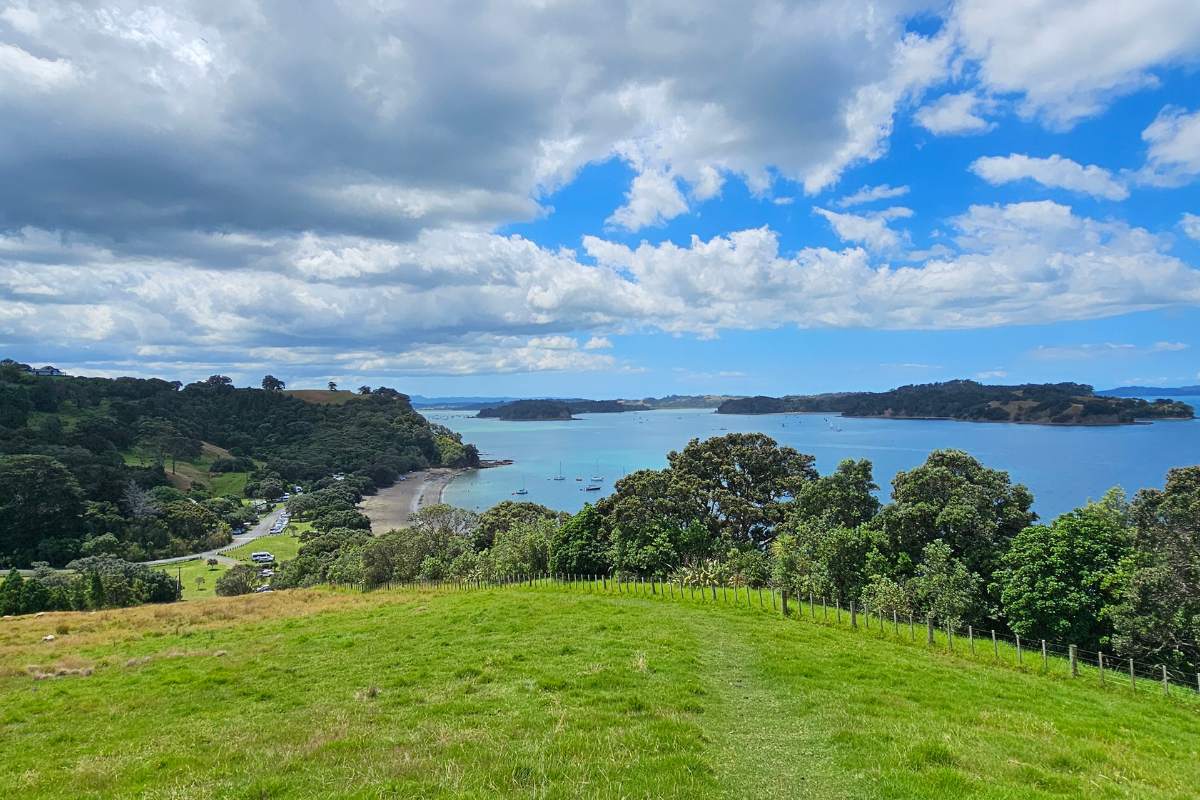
x=521, y=692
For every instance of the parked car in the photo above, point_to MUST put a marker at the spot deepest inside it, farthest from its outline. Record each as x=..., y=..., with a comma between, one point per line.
x=262, y=557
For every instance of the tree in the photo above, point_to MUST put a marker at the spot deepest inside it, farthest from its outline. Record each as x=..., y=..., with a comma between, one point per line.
x=1057, y=580
x=272, y=384
x=212, y=564
x=41, y=505
x=741, y=481
x=974, y=510
x=12, y=594
x=508, y=513
x=944, y=586
x=1158, y=615
x=333, y=386
x=199, y=583
x=237, y=580
x=137, y=501
x=579, y=546
x=364, y=389
x=844, y=497
x=827, y=562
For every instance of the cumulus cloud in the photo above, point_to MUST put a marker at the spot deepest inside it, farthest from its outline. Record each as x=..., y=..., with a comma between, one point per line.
x=1173, y=148
x=456, y=301
x=869, y=194
x=378, y=121
x=598, y=343
x=871, y=229
x=1191, y=225
x=1045, y=51
x=953, y=114
x=1054, y=172
x=992, y=374
x=652, y=199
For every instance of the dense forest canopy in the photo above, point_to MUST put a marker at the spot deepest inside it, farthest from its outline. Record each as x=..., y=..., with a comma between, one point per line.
x=85, y=460
x=1046, y=403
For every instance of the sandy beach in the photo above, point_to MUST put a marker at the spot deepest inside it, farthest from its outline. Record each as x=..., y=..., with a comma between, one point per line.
x=392, y=507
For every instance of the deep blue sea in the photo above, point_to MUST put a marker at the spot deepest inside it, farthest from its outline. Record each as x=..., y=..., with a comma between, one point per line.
x=1063, y=466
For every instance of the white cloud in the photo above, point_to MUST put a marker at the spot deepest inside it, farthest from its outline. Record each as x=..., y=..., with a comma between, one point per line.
x=598, y=343
x=1173, y=148
x=1054, y=172
x=991, y=374
x=23, y=71
x=652, y=199
x=869, y=194
x=1103, y=350
x=1067, y=61
x=869, y=229
x=953, y=114
x=1191, y=225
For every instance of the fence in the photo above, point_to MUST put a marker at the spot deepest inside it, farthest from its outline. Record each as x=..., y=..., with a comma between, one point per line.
x=984, y=645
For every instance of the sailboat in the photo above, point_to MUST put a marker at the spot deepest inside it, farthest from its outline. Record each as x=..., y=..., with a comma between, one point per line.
x=597, y=477
x=559, y=476
x=522, y=490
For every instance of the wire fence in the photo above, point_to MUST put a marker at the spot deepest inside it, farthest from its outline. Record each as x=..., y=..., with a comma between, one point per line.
x=988, y=645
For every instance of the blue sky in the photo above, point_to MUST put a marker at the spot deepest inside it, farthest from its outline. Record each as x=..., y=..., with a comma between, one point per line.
x=609, y=199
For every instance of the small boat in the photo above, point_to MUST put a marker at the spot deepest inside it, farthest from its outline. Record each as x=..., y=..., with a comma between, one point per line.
x=522, y=490
x=559, y=476
x=579, y=479
x=592, y=487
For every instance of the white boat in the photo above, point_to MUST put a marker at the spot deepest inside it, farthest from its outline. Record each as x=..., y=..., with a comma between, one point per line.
x=559, y=476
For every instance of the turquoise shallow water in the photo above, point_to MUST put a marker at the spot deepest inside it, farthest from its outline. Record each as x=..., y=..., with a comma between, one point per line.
x=1063, y=466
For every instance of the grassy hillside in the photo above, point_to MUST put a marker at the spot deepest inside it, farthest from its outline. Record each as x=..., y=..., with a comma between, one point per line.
x=322, y=397
x=523, y=692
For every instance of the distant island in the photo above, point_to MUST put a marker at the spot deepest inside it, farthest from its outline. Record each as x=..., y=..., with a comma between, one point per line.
x=528, y=411
x=1151, y=391
x=1043, y=404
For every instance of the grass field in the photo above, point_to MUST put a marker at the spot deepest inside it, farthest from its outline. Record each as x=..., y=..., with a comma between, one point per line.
x=195, y=471
x=283, y=546
x=323, y=397
x=523, y=692
x=188, y=571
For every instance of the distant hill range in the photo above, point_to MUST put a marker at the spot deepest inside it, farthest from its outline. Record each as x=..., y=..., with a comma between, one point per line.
x=1044, y=404
x=1151, y=391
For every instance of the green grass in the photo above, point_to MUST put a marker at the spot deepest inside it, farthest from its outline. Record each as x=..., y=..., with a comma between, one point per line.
x=283, y=546
x=550, y=693
x=188, y=571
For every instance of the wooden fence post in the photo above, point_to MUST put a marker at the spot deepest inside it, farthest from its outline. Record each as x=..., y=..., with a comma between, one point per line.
x=1132, y=677
x=1045, y=658
x=1074, y=661
x=1019, y=659
x=1166, y=683
x=838, y=606
x=784, y=595
x=929, y=630
x=971, y=638
x=950, y=636
x=1100, y=662
x=895, y=622
x=853, y=615
x=812, y=609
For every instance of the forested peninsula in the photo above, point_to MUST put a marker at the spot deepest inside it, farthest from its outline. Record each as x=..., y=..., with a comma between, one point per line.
x=138, y=469
x=1043, y=404
x=529, y=411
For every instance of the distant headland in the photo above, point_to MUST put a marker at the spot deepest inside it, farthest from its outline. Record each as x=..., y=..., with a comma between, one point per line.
x=1042, y=404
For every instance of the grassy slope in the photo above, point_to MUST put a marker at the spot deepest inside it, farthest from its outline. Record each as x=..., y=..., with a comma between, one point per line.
x=323, y=397
x=542, y=693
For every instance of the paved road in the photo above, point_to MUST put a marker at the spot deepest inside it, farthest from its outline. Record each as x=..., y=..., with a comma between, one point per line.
x=261, y=529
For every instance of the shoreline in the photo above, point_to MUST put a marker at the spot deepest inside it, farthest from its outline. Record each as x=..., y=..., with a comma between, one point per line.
x=392, y=508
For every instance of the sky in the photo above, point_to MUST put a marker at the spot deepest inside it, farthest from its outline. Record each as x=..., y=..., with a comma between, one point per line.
x=603, y=199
